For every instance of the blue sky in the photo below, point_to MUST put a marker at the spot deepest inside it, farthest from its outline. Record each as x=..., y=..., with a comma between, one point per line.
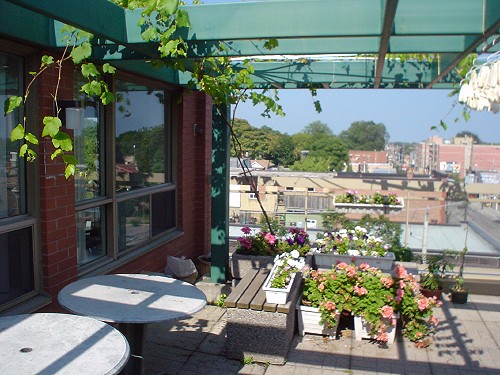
x=408, y=115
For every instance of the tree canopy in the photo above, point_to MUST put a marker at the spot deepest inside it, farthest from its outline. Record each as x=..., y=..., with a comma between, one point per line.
x=365, y=135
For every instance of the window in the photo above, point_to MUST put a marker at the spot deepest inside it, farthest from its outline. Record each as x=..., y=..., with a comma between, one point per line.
x=17, y=270
x=139, y=194
x=252, y=196
x=143, y=167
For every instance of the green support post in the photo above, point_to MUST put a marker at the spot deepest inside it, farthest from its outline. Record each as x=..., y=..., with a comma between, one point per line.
x=220, y=195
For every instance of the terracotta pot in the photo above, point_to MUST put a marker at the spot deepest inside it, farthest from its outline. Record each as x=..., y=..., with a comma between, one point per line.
x=432, y=293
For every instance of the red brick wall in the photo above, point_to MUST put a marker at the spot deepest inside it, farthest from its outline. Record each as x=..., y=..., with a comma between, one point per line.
x=57, y=202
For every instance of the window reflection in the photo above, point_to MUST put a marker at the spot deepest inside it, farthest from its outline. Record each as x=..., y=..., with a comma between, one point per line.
x=90, y=229
x=12, y=199
x=133, y=222
x=140, y=137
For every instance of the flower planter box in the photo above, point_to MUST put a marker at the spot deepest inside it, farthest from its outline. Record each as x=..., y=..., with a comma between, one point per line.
x=362, y=329
x=362, y=208
x=327, y=260
x=278, y=295
x=309, y=318
x=240, y=264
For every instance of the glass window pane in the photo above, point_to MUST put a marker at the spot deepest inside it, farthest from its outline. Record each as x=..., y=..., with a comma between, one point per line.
x=133, y=222
x=163, y=211
x=87, y=151
x=140, y=137
x=12, y=191
x=90, y=235
x=16, y=264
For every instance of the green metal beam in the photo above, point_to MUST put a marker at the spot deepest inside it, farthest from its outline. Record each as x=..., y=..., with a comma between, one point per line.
x=390, y=13
x=99, y=17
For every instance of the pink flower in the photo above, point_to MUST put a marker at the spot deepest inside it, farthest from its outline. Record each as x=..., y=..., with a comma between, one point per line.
x=246, y=243
x=387, y=312
x=364, y=266
x=386, y=281
x=329, y=305
x=321, y=287
x=246, y=230
x=341, y=265
x=382, y=336
x=433, y=320
x=353, y=259
x=423, y=303
x=419, y=335
x=351, y=271
x=400, y=272
x=360, y=291
x=270, y=238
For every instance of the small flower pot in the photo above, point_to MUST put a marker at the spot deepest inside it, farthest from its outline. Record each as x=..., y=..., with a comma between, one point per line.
x=459, y=296
x=308, y=319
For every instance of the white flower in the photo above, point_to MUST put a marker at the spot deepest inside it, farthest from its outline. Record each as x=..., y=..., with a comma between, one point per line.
x=295, y=254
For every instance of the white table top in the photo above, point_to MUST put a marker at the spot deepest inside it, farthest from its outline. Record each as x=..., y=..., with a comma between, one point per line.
x=67, y=344
x=132, y=298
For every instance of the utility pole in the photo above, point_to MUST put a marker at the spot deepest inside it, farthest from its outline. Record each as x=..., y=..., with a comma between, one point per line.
x=407, y=234
x=424, y=237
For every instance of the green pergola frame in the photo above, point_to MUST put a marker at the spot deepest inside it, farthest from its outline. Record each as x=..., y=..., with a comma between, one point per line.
x=322, y=44
x=342, y=29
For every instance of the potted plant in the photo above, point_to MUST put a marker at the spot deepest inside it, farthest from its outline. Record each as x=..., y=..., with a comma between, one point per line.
x=282, y=276
x=258, y=249
x=458, y=292
x=374, y=298
x=356, y=245
x=431, y=280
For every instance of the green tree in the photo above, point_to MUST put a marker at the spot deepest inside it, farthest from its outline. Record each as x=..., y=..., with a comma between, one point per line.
x=317, y=129
x=283, y=151
x=365, y=135
x=313, y=164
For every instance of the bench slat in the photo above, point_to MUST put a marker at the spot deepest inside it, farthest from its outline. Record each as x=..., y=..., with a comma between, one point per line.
x=240, y=289
x=260, y=298
x=249, y=294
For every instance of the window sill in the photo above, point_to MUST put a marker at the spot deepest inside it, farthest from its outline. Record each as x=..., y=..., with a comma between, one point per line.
x=28, y=306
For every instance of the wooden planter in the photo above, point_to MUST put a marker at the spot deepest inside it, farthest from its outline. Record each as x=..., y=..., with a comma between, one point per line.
x=362, y=328
x=308, y=319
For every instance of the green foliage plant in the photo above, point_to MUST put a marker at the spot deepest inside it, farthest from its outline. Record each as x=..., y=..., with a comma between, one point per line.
x=220, y=300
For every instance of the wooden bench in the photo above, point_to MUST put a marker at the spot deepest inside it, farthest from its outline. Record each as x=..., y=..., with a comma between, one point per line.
x=255, y=328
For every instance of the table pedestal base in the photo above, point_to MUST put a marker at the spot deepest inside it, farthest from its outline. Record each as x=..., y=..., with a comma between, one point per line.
x=134, y=333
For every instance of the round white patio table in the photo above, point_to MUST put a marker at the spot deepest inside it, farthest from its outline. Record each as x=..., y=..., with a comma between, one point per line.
x=132, y=300
x=49, y=343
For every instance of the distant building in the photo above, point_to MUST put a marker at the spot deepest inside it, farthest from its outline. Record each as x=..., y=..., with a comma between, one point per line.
x=460, y=156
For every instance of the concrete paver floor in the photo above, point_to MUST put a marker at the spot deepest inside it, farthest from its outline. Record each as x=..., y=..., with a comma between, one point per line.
x=467, y=341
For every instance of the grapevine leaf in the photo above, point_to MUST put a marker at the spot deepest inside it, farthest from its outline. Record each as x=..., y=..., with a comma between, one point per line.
x=63, y=141
x=149, y=34
x=69, y=171
x=106, y=68
x=182, y=18
x=56, y=153
x=69, y=159
x=89, y=70
x=31, y=154
x=81, y=52
x=31, y=138
x=46, y=61
x=22, y=150
x=12, y=103
x=107, y=97
x=271, y=43
x=51, y=126
x=17, y=133
x=167, y=7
